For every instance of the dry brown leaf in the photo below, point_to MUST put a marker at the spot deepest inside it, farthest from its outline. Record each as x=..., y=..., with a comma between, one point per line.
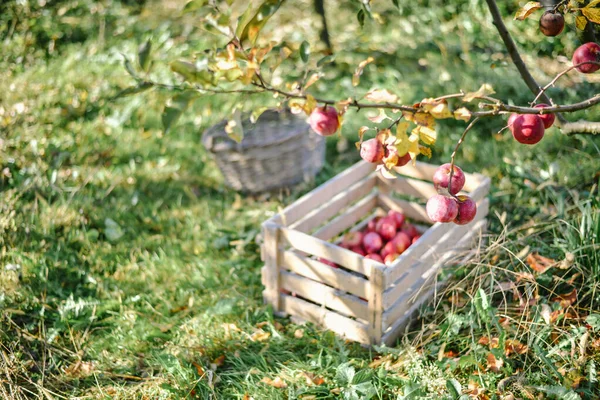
x=527, y=9
x=381, y=96
x=359, y=70
x=484, y=90
x=514, y=346
x=312, y=379
x=247, y=397
x=540, y=263
x=379, y=117
x=80, y=369
x=567, y=300
x=199, y=368
x=219, y=361
x=276, y=383
x=493, y=342
x=494, y=364
x=462, y=114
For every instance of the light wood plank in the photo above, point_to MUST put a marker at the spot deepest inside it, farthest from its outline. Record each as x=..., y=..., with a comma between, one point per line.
x=375, y=310
x=345, y=327
x=346, y=304
x=323, y=193
x=271, y=277
x=481, y=191
x=459, y=238
x=323, y=273
x=413, y=211
x=404, y=304
x=332, y=206
x=320, y=248
x=407, y=186
x=348, y=219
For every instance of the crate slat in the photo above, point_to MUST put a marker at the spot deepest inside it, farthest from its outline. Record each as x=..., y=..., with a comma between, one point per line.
x=353, y=330
x=346, y=304
x=347, y=219
x=323, y=273
x=412, y=210
x=392, y=334
x=404, y=306
x=455, y=240
x=271, y=274
x=320, y=248
x=481, y=191
x=428, y=240
x=332, y=206
x=323, y=193
x=407, y=186
x=375, y=310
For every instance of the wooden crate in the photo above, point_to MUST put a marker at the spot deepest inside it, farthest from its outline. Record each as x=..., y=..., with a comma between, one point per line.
x=366, y=301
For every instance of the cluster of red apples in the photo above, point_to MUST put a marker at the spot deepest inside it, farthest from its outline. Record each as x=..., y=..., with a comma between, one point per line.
x=383, y=239
x=446, y=206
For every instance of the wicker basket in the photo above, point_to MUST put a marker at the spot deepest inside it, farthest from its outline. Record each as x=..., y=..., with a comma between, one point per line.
x=279, y=150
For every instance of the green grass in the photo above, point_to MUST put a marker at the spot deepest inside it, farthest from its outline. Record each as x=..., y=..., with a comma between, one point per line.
x=128, y=270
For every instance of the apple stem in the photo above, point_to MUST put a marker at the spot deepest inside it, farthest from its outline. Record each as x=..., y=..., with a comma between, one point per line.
x=452, y=157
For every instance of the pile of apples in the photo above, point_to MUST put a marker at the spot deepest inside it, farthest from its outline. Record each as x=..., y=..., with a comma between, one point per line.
x=383, y=239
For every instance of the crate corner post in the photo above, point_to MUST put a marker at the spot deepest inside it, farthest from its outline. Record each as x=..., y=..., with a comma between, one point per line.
x=271, y=272
x=375, y=301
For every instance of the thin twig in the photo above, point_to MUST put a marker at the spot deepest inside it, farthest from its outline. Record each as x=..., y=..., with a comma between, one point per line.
x=516, y=56
x=460, y=141
x=557, y=77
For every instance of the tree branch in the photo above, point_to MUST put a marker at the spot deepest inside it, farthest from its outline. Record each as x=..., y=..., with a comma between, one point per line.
x=516, y=57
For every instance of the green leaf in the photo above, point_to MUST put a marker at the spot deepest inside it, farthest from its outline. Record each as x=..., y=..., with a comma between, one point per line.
x=305, y=51
x=325, y=60
x=112, y=230
x=129, y=67
x=345, y=374
x=191, y=73
x=144, y=55
x=482, y=305
x=360, y=16
x=594, y=321
x=265, y=11
x=396, y=3
x=194, y=5
x=454, y=388
x=172, y=113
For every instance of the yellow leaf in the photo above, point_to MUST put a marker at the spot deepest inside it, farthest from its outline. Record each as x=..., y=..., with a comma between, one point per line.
x=426, y=151
x=234, y=127
x=361, y=134
x=462, y=114
x=580, y=22
x=427, y=135
x=380, y=117
x=527, y=9
x=381, y=96
x=310, y=104
x=391, y=160
x=484, y=90
x=359, y=70
x=260, y=336
x=593, y=14
x=402, y=127
x=438, y=108
x=313, y=78
x=296, y=106
x=413, y=147
x=385, y=136
x=424, y=119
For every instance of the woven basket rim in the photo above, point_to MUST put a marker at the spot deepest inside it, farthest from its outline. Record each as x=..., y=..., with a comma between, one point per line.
x=216, y=140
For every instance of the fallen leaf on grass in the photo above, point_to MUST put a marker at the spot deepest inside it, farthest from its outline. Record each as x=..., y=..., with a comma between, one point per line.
x=312, y=379
x=219, y=361
x=80, y=369
x=199, y=368
x=540, y=263
x=566, y=300
x=260, y=336
x=494, y=364
x=514, y=346
x=276, y=383
x=299, y=333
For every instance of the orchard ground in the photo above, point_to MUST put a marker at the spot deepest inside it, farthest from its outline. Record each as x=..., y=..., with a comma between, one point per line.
x=129, y=271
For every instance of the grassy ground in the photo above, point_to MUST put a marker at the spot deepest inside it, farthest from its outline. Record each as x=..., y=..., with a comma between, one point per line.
x=128, y=270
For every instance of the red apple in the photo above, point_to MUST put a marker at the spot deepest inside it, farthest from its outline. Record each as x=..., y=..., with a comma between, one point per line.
x=390, y=258
x=391, y=152
x=359, y=250
x=372, y=151
x=402, y=241
x=386, y=227
x=398, y=217
x=442, y=208
x=410, y=230
x=585, y=53
x=511, y=120
x=547, y=119
x=552, y=23
x=415, y=239
x=389, y=248
x=528, y=129
x=372, y=242
x=375, y=256
x=441, y=178
x=372, y=224
x=352, y=239
x=324, y=120
x=467, y=209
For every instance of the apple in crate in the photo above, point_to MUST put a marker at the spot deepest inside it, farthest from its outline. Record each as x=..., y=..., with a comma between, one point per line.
x=386, y=228
x=372, y=242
